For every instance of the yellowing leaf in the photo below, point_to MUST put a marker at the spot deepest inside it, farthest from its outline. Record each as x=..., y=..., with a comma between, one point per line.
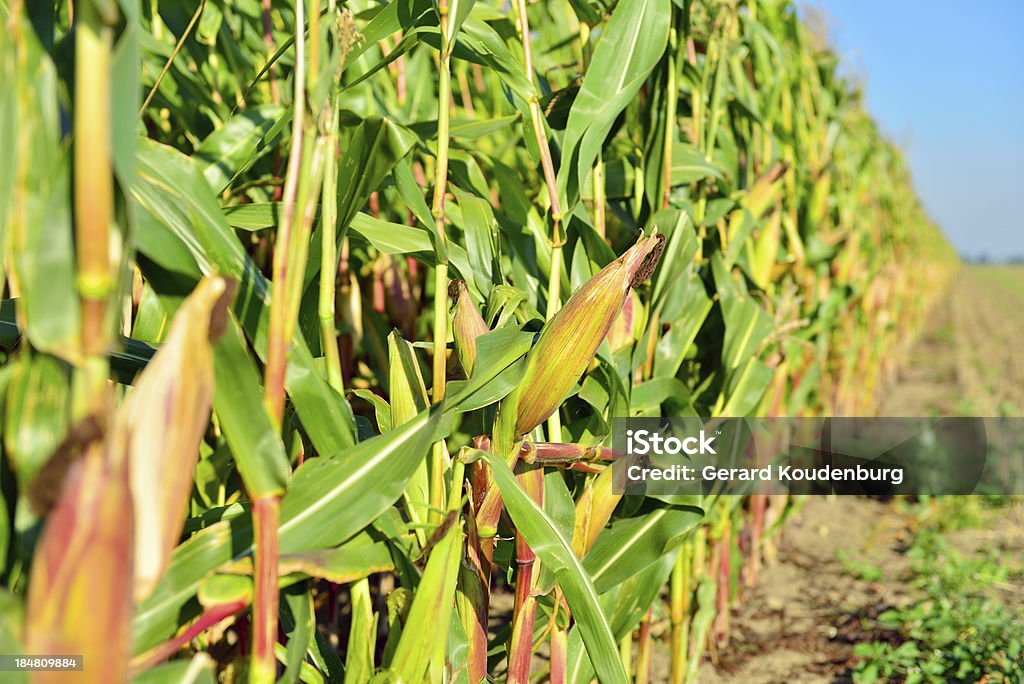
x=166, y=414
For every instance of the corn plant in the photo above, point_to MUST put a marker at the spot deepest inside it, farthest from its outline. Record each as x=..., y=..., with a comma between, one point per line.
x=316, y=316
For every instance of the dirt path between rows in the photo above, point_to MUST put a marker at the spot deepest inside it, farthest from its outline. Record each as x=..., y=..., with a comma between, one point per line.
x=801, y=621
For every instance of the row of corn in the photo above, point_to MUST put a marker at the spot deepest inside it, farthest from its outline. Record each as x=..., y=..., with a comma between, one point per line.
x=316, y=316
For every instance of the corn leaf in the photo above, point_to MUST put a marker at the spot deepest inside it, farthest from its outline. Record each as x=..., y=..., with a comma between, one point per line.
x=36, y=413
x=299, y=622
x=432, y=604
x=171, y=186
x=553, y=550
x=630, y=545
x=235, y=146
x=631, y=44
x=255, y=444
x=167, y=413
x=199, y=670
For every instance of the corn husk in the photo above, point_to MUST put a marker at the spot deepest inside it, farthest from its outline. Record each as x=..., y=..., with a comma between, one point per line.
x=627, y=324
x=467, y=325
x=569, y=341
x=80, y=591
x=166, y=414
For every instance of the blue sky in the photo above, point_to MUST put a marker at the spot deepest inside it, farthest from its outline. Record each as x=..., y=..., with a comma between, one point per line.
x=945, y=80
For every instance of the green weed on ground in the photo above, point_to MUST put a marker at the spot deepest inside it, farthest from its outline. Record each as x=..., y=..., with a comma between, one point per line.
x=961, y=629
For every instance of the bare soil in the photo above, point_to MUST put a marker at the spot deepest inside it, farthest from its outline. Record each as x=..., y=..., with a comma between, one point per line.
x=839, y=560
x=801, y=621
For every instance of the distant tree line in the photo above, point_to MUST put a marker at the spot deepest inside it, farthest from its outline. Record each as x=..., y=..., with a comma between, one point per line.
x=1016, y=259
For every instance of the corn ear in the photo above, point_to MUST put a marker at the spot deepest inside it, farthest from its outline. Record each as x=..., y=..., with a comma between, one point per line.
x=167, y=413
x=626, y=325
x=405, y=382
x=80, y=589
x=472, y=601
x=467, y=325
x=593, y=511
x=121, y=505
x=570, y=340
x=408, y=398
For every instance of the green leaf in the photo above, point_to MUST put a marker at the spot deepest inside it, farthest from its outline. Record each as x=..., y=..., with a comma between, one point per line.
x=362, y=634
x=329, y=500
x=630, y=545
x=298, y=619
x=392, y=18
x=408, y=397
x=680, y=248
x=495, y=372
x=636, y=594
x=586, y=11
x=125, y=95
x=38, y=401
x=458, y=10
x=745, y=388
x=560, y=507
x=234, y=147
x=359, y=557
x=626, y=604
x=432, y=604
x=631, y=44
x=11, y=618
x=332, y=498
x=237, y=401
x=199, y=670
x=43, y=260
x=410, y=192
x=467, y=131
x=381, y=408
x=688, y=296
x=171, y=187
x=476, y=219
x=690, y=166
x=220, y=589
x=385, y=236
x=648, y=397
x=376, y=145
x=554, y=551
x=747, y=325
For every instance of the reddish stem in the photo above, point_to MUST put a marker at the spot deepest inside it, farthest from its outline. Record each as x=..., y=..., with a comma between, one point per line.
x=643, y=649
x=268, y=38
x=721, y=630
x=757, y=507
x=159, y=654
x=531, y=478
x=266, y=512
x=475, y=578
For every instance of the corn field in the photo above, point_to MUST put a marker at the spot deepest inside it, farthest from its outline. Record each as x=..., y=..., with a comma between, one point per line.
x=316, y=315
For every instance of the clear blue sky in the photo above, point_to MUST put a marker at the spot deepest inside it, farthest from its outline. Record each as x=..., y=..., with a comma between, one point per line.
x=945, y=80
